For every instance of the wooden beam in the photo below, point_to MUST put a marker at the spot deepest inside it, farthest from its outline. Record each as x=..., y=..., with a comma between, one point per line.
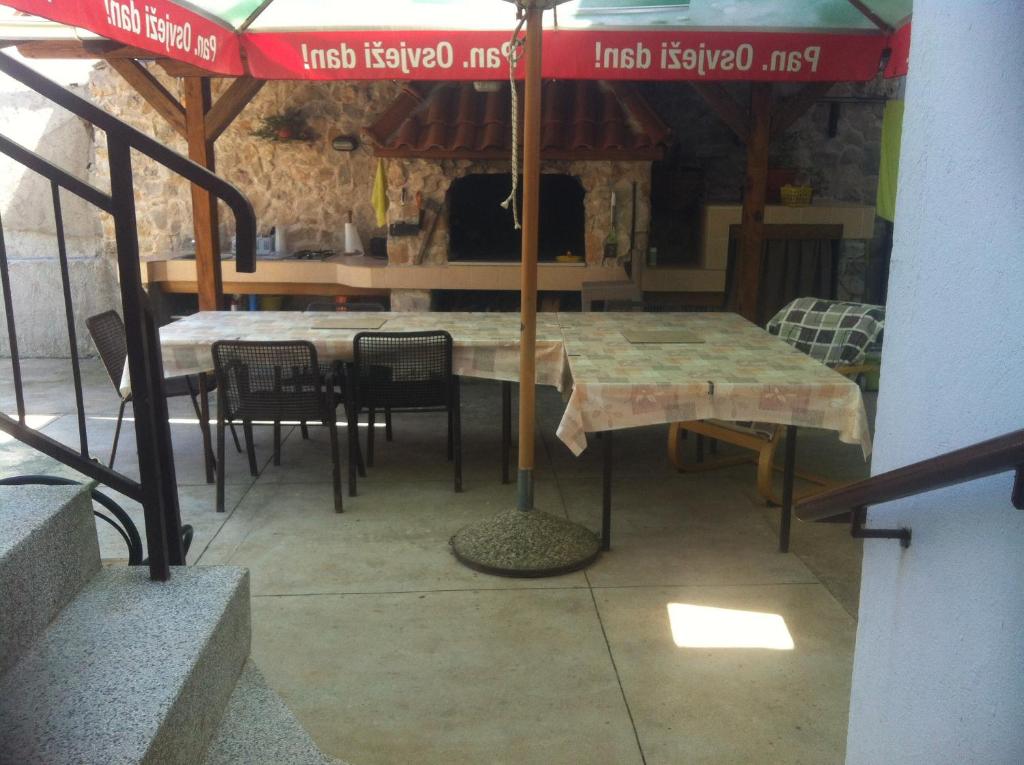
x=397, y=111
x=149, y=88
x=873, y=17
x=183, y=69
x=725, y=107
x=788, y=110
x=751, y=252
x=230, y=104
x=204, y=204
x=105, y=49
x=108, y=50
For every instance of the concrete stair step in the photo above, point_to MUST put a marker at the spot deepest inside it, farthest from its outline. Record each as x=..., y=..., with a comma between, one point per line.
x=131, y=671
x=258, y=728
x=48, y=551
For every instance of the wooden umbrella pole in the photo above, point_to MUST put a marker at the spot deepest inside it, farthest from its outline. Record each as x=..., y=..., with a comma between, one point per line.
x=528, y=268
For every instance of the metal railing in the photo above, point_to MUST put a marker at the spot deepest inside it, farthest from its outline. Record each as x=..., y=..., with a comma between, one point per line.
x=156, y=489
x=996, y=455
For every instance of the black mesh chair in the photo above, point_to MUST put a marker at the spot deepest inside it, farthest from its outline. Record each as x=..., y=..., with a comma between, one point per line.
x=354, y=306
x=274, y=381
x=107, y=332
x=403, y=372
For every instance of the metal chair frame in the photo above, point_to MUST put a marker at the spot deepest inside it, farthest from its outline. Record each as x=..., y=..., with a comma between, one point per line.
x=108, y=334
x=354, y=306
x=403, y=372
x=276, y=381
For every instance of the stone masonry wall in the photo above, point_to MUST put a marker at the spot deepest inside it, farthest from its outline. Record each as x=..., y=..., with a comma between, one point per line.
x=843, y=167
x=310, y=188
x=307, y=187
x=599, y=180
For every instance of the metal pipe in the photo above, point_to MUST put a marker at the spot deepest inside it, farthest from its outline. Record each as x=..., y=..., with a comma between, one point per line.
x=69, y=317
x=145, y=394
x=12, y=333
x=996, y=455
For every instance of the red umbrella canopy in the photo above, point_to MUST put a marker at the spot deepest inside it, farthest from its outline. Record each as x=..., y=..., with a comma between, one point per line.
x=775, y=40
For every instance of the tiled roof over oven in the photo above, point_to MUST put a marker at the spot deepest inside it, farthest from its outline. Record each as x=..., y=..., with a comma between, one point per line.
x=580, y=120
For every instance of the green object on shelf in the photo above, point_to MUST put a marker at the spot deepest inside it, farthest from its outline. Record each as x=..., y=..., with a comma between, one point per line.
x=271, y=303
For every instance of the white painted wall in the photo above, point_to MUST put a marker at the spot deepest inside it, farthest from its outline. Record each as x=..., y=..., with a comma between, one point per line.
x=939, y=667
x=26, y=209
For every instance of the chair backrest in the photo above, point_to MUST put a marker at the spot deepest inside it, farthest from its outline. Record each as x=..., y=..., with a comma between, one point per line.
x=279, y=380
x=403, y=370
x=835, y=333
x=107, y=332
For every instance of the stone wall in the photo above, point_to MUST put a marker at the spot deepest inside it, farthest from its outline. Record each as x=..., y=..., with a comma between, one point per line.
x=307, y=187
x=310, y=188
x=843, y=167
x=599, y=180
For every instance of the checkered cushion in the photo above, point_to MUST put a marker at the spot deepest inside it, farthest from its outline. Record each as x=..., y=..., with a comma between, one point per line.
x=833, y=332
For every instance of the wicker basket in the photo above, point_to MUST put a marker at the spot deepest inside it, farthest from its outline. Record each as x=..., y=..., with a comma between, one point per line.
x=796, y=196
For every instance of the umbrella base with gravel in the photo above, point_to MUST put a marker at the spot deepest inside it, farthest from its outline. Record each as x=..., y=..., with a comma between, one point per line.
x=525, y=543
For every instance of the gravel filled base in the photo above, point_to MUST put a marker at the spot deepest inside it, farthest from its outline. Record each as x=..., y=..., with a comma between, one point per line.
x=525, y=544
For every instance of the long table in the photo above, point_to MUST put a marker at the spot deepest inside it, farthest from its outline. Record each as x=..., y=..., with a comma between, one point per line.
x=623, y=370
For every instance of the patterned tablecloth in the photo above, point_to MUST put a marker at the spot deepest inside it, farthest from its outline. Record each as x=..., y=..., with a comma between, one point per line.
x=738, y=372
x=486, y=345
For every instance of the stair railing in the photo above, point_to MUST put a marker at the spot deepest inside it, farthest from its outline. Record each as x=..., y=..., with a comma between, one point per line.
x=996, y=455
x=156, y=490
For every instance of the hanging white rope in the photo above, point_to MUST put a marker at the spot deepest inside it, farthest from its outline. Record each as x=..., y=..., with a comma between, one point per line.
x=515, y=53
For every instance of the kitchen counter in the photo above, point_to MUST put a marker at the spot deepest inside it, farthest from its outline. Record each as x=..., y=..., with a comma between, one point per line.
x=358, y=274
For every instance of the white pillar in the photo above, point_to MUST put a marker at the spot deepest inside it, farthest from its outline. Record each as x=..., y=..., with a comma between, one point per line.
x=939, y=667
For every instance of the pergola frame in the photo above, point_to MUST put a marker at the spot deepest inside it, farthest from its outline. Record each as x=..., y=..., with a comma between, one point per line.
x=200, y=121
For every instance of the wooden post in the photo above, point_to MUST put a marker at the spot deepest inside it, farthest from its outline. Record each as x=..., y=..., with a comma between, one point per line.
x=204, y=205
x=751, y=254
x=528, y=267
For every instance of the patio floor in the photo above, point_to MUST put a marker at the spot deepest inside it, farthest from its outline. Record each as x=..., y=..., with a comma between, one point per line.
x=389, y=651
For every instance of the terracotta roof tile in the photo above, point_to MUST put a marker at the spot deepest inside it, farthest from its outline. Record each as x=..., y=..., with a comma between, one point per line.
x=580, y=120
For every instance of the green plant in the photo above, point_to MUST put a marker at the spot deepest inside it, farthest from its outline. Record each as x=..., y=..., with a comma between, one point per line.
x=289, y=125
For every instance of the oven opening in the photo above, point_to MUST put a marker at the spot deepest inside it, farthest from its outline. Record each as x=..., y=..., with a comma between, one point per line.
x=480, y=229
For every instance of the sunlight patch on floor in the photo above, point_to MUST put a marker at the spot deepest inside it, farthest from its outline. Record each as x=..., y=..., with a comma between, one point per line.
x=708, y=627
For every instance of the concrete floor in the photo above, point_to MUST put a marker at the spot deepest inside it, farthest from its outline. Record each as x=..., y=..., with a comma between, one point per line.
x=389, y=651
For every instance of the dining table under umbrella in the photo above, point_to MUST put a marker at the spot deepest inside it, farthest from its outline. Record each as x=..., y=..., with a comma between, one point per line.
x=804, y=41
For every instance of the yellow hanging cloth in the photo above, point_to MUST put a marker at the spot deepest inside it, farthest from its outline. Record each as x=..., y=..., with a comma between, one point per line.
x=380, y=194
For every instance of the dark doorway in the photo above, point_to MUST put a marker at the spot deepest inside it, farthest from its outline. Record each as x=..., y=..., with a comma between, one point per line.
x=481, y=229
x=677, y=196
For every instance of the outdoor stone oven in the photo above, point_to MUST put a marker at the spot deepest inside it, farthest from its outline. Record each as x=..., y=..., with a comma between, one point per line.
x=481, y=229
x=439, y=141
